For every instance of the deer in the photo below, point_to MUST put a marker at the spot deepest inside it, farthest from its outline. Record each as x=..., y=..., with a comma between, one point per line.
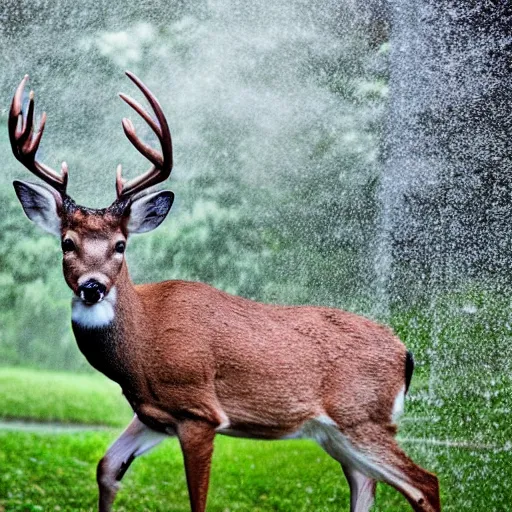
x=193, y=361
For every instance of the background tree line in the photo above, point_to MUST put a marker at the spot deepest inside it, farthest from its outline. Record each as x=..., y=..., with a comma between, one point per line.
x=297, y=179
x=276, y=155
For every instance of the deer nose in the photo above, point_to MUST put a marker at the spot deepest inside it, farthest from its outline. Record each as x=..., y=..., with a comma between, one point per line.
x=92, y=291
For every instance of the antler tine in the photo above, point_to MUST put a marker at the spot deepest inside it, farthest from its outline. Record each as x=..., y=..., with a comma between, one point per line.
x=162, y=163
x=25, y=143
x=28, y=123
x=140, y=110
x=151, y=154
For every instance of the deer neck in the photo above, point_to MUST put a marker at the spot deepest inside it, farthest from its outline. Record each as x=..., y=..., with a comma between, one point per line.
x=127, y=304
x=103, y=331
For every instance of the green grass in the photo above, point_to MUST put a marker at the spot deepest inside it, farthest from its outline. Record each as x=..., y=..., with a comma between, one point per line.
x=57, y=472
x=61, y=397
x=60, y=471
x=45, y=471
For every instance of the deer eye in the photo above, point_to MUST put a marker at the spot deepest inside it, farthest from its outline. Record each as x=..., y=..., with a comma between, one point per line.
x=68, y=245
x=120, y=247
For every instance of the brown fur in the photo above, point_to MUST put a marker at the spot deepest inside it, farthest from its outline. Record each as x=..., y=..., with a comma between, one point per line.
x=269, y=368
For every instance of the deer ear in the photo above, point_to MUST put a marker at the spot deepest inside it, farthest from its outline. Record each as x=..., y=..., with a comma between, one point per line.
x=147, y=212
x=41, y=205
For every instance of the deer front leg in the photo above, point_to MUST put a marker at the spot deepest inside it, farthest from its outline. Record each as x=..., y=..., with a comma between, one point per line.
x=134, y=441
x=196, y=439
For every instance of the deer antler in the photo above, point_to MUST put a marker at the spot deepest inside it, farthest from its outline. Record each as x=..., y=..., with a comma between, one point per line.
x=162, y=163
x=25, y=143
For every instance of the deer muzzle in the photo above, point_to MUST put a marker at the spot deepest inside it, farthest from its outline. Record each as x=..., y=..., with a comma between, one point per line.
x=92, y=291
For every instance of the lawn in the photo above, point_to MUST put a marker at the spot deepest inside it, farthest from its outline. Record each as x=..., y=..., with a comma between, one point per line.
x=89, y=399
x=42, y=470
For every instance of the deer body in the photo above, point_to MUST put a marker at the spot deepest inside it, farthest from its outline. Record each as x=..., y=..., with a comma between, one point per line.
x=194, y=361
x=199, y=352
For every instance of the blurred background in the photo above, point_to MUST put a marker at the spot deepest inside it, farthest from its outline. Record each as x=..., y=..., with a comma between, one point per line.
x=341, y=153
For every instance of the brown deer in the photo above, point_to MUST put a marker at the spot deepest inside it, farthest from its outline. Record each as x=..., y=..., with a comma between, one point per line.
x=194, y=361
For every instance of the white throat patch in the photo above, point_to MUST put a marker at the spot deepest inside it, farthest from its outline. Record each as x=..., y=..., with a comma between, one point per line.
x=96, y=315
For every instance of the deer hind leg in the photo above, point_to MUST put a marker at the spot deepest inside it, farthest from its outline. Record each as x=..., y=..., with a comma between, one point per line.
x=362, y=489
x=134, y=441
x=371, y=450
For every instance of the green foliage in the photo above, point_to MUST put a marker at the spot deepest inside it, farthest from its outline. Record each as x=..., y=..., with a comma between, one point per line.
x=275, y=210
x=33, y=298
x=209, y=243
x=467, y=329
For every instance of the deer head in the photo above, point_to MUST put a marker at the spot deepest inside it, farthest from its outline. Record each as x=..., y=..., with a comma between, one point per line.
x=93, y=240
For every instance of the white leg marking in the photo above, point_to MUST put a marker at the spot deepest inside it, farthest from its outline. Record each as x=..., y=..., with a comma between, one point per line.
x=96, y=315
x=134, y=441
x=316, y=429
x=362, y=490
x=224, y=425
x=339, y=446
